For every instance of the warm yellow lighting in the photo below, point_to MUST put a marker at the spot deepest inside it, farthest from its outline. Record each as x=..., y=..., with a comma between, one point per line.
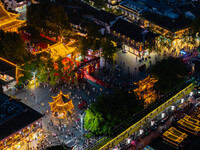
x=8, y=21
x=145, y=90
x=59, y=106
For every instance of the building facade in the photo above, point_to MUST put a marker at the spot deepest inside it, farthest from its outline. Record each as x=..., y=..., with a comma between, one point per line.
x=133, y=38
x=19, y=124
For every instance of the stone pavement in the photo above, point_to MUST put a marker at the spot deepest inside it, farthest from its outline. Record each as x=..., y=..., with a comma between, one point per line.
x=77, y=92
x=44, y=96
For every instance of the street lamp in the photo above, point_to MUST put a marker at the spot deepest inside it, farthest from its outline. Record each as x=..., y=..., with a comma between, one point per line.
x=81, y=116
x=143, y=35
x=35, y=86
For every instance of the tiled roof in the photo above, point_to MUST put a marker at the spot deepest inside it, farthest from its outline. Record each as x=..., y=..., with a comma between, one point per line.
x=166, y=22
x=3, y=13
x=12, y=24
x=130, y=30
x=59, y=50
x=16, y=116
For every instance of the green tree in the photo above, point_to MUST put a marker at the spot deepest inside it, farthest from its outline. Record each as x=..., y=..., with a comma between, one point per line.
x=83, y=46
x=110, y=110
x=195, y=26
x=93, y=31
x=93, y=120
x=53, y=78
x=151, y=45
x=42, y=73
x=96, y=45
x=60, y=67
x=49, y=17
x=35, y=34
x=13, y=47
x=170, y=72
x=108, y=50
x=99, y=4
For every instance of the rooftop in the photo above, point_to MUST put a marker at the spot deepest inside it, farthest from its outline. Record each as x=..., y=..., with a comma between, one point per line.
x=172, y=25
x=131, y=30
x=7, y=68
x=132, y=5
x=3, y=13
x=58, y=50
x=14, y=116
x=98, y=14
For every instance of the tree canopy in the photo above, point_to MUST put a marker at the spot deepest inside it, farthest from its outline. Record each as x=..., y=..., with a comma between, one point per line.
x=195, y=26
x=108, y=49
x=48, y=16
x=46, y=71
x=97, y=3
x=92, y=39
x=110, y=110
x=12, y=47
x=170, y=72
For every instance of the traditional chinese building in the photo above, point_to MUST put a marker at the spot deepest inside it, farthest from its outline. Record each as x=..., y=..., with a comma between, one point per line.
x=9, y=21
x=9, y=74
x=160, y=17
x=164, y=24
x=145, y=89
x=133, y=38
x=19, y=124
x=61, y=105
x=61, y=50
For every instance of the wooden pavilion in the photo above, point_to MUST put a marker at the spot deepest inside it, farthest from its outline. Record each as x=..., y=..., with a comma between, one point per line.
x=145, y=89
x=61, y=105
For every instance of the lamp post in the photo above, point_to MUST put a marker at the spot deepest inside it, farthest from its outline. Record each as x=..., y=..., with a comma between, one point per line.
x=143, y=35
x=35, y=86
x=81, y=116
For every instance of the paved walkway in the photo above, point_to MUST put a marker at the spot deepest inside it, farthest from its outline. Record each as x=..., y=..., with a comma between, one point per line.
x=44, y=96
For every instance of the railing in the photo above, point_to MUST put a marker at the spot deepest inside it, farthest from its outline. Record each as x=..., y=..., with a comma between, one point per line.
x=150, y=108
x=152, y=114
x=91, y=146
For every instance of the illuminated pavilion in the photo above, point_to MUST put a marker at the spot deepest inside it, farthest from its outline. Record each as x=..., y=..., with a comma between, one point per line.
x=9, y=21
x=59, y=50
x=145, y=89
x=61, y=105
